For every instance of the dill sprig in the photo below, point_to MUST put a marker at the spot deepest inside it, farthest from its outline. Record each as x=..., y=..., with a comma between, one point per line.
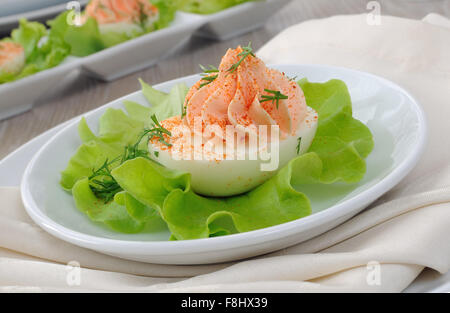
x=101, y=181
x=183, y=110
x=210, y=69
x=133, y=151
x=208, y=80
x=207, y=77
x=247, y=51
x=299, y=140
x=158, y=131
x=276, y=97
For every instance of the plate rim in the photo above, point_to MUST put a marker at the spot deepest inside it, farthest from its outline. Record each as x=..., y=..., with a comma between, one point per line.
x=273, y=233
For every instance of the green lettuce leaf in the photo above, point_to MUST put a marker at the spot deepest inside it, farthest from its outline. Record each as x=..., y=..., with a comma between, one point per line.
x=116, y=131
x=83, y=40
x=165, y=105
x=112, y=214
x=341, y=141
x=28, y=34
x=6, y=77
x=112, y=38
x=167, y=10
x=151, y=190
x=191, y=216
x=208, y=6
x=136, y=209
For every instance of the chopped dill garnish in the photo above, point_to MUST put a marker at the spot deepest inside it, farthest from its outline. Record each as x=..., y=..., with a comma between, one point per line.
x=299, y=140
x=277, y=96
x=183, y=110
x=102, y=183
x=208, y=80
x=158, y=131
x=206, y=74
x=211, y=69
x=244, y=54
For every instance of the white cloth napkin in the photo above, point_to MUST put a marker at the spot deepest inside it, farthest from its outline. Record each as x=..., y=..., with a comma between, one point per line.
x=382, y=249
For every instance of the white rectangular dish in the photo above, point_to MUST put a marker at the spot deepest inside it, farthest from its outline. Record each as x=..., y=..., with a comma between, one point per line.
x=134, y=55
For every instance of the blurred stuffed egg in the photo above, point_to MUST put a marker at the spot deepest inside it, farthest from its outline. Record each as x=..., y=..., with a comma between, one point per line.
x=12, y=58
x=128, y=17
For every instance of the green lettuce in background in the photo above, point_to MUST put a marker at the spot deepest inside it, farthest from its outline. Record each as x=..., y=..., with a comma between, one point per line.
x=149, y=191
x=167, y=10
x=208, y=6
x=42, y=49
x=83, y=40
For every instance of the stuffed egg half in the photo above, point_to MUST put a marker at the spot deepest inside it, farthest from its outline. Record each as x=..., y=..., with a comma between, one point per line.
x=242, y=123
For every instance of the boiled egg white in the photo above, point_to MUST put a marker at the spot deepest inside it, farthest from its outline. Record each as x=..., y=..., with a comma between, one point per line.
x=222, y=178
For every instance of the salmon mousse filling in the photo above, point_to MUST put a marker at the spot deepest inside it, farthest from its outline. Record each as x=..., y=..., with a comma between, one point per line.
x=242, y=121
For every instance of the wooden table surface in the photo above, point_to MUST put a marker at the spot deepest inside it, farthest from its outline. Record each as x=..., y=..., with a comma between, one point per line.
x=83, y=93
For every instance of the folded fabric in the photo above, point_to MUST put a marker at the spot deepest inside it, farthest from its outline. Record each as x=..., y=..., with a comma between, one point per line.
x=379, y=241
x=382, y=249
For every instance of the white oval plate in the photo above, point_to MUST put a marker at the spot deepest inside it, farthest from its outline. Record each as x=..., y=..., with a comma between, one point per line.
x=394, y=117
